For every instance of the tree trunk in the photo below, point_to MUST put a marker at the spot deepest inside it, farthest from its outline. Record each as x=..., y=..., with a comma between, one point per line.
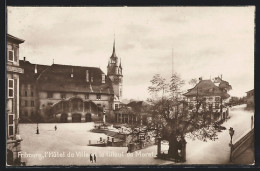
x=173, y=149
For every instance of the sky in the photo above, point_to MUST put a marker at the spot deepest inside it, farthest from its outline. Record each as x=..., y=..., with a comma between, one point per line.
x=201, y=41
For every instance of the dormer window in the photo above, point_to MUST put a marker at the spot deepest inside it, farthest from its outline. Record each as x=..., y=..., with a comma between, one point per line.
x=103, y=78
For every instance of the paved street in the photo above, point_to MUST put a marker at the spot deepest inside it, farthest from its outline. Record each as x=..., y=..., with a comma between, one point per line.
x=217, y=152
x=68, y=145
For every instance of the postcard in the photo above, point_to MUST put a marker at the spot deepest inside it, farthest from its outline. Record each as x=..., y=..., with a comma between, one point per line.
x=92, y=86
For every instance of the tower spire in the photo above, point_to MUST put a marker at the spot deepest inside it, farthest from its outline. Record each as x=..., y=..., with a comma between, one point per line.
x=114, y=49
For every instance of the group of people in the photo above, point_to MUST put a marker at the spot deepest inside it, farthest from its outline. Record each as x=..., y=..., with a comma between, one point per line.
x=93, y=158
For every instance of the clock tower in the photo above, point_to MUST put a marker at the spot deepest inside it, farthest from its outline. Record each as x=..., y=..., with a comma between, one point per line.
x=114, y=72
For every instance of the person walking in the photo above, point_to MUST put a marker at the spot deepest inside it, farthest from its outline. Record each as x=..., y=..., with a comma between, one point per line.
x=95, y=159
x=55, y=127
x=91, y=158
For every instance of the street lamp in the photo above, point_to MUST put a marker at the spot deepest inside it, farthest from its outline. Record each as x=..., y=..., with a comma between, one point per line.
x=37, y=129
x=231, y=133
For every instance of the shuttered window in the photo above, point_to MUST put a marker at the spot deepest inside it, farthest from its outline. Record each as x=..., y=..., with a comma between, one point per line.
x=11, y=55
x=10, y=124
x=10, y=88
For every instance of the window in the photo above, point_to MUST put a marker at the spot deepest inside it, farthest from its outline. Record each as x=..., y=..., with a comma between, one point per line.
x=32, y=93
x=116, y=106
x=86, y=96
x=32, y=103
x=32, y=113
x=217, y=105
x=99, y=105
x=11, y=55
x=210, y=98
x=25, y=103
x=49, y=94
x=98, y=96
x=25, y=113
x=25, y=93
x=92, y=79
x=10, y=88
x=11, y=124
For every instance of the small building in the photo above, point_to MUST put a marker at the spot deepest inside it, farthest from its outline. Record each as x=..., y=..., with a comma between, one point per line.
x=13, y=72
x=250, y=98
x=133, y=113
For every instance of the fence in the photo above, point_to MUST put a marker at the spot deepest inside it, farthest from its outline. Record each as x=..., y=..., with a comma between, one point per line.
x=242, y=145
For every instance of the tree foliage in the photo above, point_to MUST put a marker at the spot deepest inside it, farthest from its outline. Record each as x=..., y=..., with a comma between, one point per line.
x=172, y=117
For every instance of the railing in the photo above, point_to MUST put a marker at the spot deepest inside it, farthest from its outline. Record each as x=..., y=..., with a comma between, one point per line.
x=243, y=144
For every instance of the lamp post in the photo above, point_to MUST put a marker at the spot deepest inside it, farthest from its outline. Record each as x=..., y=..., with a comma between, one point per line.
x=231, y=133
x=37, y=129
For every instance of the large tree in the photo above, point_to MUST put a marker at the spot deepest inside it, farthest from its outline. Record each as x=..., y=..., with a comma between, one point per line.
x=172, y=117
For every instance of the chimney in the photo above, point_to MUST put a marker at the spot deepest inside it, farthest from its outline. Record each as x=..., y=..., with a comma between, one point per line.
x=24, y=59
x=71, y=75
x=35, y=70
x=87, y=76
x=200, y=79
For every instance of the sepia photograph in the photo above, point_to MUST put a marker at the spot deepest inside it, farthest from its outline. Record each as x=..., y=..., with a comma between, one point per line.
x=127, y=86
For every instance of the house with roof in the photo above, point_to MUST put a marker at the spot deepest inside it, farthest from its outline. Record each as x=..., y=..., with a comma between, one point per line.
x=210, y=96
x=72, y=93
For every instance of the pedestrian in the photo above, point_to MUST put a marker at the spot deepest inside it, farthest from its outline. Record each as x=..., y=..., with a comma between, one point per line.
x=55, y=127
x=252, y=121
x=95, y=158
x=91, y=158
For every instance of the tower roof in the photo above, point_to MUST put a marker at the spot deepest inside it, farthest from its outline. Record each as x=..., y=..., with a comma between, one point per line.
x=114, y=50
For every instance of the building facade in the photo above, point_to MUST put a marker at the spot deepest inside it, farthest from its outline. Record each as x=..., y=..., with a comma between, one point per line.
x=12, y=99
x=28, y=94
x=210, y=96
x=69, y=93
x=133, y=113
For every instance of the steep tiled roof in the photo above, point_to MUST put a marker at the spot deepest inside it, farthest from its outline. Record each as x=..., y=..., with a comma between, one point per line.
x=58, y=78
x=29, y=74
x=206, y=88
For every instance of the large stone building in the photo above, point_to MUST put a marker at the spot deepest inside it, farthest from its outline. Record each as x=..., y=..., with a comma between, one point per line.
x=28, y=95
x=71, y=93
x=12, y=99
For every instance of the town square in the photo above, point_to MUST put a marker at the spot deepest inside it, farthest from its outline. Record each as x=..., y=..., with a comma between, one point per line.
x=90, y=86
